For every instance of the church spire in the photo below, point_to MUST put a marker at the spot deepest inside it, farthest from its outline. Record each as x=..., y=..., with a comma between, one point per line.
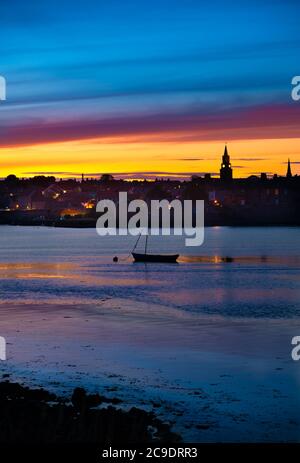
x=226, y=170
x=225, y=152
x=289, y=170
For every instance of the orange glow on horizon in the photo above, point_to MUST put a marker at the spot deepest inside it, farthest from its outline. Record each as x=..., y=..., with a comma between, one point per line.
x=161, y=158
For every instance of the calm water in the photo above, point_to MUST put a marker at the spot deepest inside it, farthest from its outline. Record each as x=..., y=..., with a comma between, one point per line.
x=75, y=266
x=207, y=341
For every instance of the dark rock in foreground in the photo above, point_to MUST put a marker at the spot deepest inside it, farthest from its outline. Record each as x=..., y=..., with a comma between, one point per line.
x=35, y=415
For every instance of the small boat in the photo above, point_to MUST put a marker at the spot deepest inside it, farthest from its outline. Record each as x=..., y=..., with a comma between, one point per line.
x=145, y=257
x=170, y=258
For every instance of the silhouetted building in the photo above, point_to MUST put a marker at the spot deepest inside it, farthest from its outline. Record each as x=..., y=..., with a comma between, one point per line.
x=226, y=170
x=289, y=170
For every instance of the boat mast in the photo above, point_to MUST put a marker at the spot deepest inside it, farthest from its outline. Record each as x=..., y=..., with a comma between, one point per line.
x=134, y=247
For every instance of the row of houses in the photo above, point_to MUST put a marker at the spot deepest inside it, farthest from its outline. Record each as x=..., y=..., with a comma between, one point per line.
x=75, y=197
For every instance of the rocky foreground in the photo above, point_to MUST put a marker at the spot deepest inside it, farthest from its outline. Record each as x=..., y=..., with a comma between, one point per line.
x=37, y=416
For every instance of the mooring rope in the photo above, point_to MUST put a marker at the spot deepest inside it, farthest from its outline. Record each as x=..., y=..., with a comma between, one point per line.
x=116, y=259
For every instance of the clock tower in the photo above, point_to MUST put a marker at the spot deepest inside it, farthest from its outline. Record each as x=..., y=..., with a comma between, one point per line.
x=226, y=169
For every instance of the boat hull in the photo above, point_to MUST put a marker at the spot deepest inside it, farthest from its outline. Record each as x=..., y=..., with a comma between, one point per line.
x=170, y=258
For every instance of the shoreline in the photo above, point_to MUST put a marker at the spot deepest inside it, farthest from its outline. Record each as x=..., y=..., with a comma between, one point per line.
x=217, y=401
x=30, y=415
x=241, y=217
x=91, y=224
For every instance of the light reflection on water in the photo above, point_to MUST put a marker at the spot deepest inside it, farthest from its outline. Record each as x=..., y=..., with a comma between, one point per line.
x=284, y=260
x=75, y=266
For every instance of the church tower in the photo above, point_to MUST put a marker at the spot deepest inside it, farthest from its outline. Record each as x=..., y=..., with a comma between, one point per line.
x=289, y=170
x=226, y=170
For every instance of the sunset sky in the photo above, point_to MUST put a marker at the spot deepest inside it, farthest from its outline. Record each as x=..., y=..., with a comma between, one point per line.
x=145, y=89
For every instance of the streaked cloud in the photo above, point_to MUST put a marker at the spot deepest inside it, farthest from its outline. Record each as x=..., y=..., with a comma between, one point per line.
x=126, y=77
